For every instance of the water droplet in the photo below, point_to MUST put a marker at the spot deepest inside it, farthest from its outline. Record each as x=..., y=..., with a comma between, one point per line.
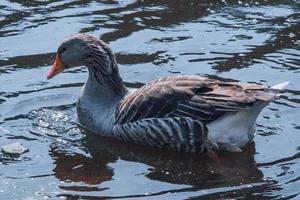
x=292, y=35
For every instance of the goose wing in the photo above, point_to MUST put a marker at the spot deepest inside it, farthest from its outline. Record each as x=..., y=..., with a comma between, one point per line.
x=195, y=97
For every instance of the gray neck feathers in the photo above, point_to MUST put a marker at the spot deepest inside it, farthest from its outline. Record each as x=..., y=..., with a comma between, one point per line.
x=96, y=105
x=103, y=69
x=104, y=88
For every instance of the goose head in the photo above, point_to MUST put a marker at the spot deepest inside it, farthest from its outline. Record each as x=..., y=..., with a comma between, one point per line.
x=86, y=50
x=83, y=50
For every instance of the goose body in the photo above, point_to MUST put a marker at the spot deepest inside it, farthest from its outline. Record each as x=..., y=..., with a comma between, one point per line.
x=186, y=113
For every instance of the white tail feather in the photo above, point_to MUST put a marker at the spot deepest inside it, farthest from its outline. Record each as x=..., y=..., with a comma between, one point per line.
x=280, y=86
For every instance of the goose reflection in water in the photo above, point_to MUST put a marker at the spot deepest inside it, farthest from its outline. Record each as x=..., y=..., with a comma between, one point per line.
x=86, y=173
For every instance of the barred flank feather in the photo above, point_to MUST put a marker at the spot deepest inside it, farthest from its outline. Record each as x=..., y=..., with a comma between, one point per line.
x=182, y=134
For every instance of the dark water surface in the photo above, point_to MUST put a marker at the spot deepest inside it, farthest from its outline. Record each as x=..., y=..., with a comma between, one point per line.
x=252, y=41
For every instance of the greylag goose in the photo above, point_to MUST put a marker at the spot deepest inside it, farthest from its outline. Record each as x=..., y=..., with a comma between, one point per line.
x=185, y=113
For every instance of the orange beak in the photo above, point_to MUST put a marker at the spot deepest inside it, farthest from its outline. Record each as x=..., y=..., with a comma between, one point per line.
x=56, y=68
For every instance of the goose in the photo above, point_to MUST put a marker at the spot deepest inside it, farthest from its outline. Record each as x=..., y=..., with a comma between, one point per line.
x=183, y=113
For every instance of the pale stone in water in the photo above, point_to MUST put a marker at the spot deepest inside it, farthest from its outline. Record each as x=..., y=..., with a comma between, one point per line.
x=14, y=148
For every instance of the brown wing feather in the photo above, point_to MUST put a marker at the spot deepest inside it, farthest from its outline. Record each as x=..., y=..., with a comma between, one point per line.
x=188, y=96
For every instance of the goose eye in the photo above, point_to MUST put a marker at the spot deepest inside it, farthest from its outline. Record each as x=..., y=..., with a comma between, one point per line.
x=63, y=49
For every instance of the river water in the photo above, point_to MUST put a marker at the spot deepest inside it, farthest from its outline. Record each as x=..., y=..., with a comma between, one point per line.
x=251, y=41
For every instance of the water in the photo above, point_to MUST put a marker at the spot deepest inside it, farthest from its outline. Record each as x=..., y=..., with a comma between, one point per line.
x=251, y=41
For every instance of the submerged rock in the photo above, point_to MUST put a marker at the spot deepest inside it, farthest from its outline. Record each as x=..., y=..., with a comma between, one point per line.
x=14, y=148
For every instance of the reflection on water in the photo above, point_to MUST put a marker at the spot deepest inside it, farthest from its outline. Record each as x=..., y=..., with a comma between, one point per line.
x=192, y=171
x=252, y=41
